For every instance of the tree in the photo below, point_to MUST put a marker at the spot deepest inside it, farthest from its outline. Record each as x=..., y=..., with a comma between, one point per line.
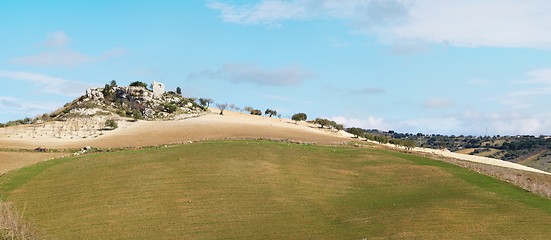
x=205, y=103
x=248, y=109
x=270, y=112
x=357, y=132
x=322, y=122
x=138, y=84
x=178, y=91
x=380, y=138
x=256, y=112
x=299, y=117
x=396, y=142
x=222, y=107
x=111, y=124
x=409, y=144
x=113, y=84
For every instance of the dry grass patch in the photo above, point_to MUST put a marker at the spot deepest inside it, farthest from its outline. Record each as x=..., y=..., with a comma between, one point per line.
x=12, y=225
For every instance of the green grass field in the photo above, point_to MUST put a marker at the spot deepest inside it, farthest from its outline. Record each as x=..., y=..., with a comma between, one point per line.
x=268, y=190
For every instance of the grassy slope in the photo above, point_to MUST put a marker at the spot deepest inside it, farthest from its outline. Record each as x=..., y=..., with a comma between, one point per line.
x=266, y=190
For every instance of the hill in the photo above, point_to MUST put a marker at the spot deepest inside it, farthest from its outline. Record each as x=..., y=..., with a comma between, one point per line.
x=266, y=190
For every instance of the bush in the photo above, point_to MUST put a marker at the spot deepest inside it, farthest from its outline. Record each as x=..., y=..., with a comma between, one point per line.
x=111, y=124
x=136, y=114
x=138, y=84
x=256, y=112
x=169, y=107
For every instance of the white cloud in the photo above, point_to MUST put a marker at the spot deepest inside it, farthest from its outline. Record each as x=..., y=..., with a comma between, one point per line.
x=368, y=123
x=56, y=39
x=254, y=74
x=438, y=103
x=48, y=84
x=466, y=23
x=507, y=123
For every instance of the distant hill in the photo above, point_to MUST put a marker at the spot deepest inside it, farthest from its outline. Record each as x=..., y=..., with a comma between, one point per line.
x=533, y=151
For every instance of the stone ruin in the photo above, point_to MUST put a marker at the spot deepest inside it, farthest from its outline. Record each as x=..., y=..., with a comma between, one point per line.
x=158, y=88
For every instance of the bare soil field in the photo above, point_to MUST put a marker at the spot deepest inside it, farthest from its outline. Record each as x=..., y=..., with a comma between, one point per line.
x=15, y=160
x=210, y=126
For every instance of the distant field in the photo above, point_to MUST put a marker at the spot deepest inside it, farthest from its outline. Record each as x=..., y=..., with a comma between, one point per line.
x=482, y=154
x=268, y=190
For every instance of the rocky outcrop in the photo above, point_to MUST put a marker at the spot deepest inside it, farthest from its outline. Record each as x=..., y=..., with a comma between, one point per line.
x=130, y=101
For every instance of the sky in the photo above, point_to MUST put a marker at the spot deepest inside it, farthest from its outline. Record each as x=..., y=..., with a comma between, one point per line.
x=469, y=67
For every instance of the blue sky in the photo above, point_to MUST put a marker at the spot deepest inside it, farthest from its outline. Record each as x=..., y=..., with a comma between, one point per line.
x=430, y=66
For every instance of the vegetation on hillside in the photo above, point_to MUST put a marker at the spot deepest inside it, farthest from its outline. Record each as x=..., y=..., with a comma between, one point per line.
x=254, y=190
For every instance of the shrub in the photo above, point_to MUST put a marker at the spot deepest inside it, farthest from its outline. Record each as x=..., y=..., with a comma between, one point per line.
x=111, y=124
x=169, y=107
x=138, y=84
x=256, y=112
x=136, y=114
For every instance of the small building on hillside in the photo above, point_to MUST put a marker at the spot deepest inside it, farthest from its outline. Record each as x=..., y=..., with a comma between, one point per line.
x=158, y=88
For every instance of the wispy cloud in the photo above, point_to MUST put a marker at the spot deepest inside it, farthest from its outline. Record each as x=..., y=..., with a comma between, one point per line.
x=63, y=57
x=48, y=84
x=15, y=108
x=254, y=74
x=442, y=125
x=478, y=82
x=56, y=39
x=469, y=23
x=368, y=123
x=438, y=103
x=265, y=12
x=539, y=76
x=367, y=91
x=537, y=83
x=57, y=53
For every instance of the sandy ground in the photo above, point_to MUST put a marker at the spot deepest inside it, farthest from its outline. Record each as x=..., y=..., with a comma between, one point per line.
x=210, y=126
